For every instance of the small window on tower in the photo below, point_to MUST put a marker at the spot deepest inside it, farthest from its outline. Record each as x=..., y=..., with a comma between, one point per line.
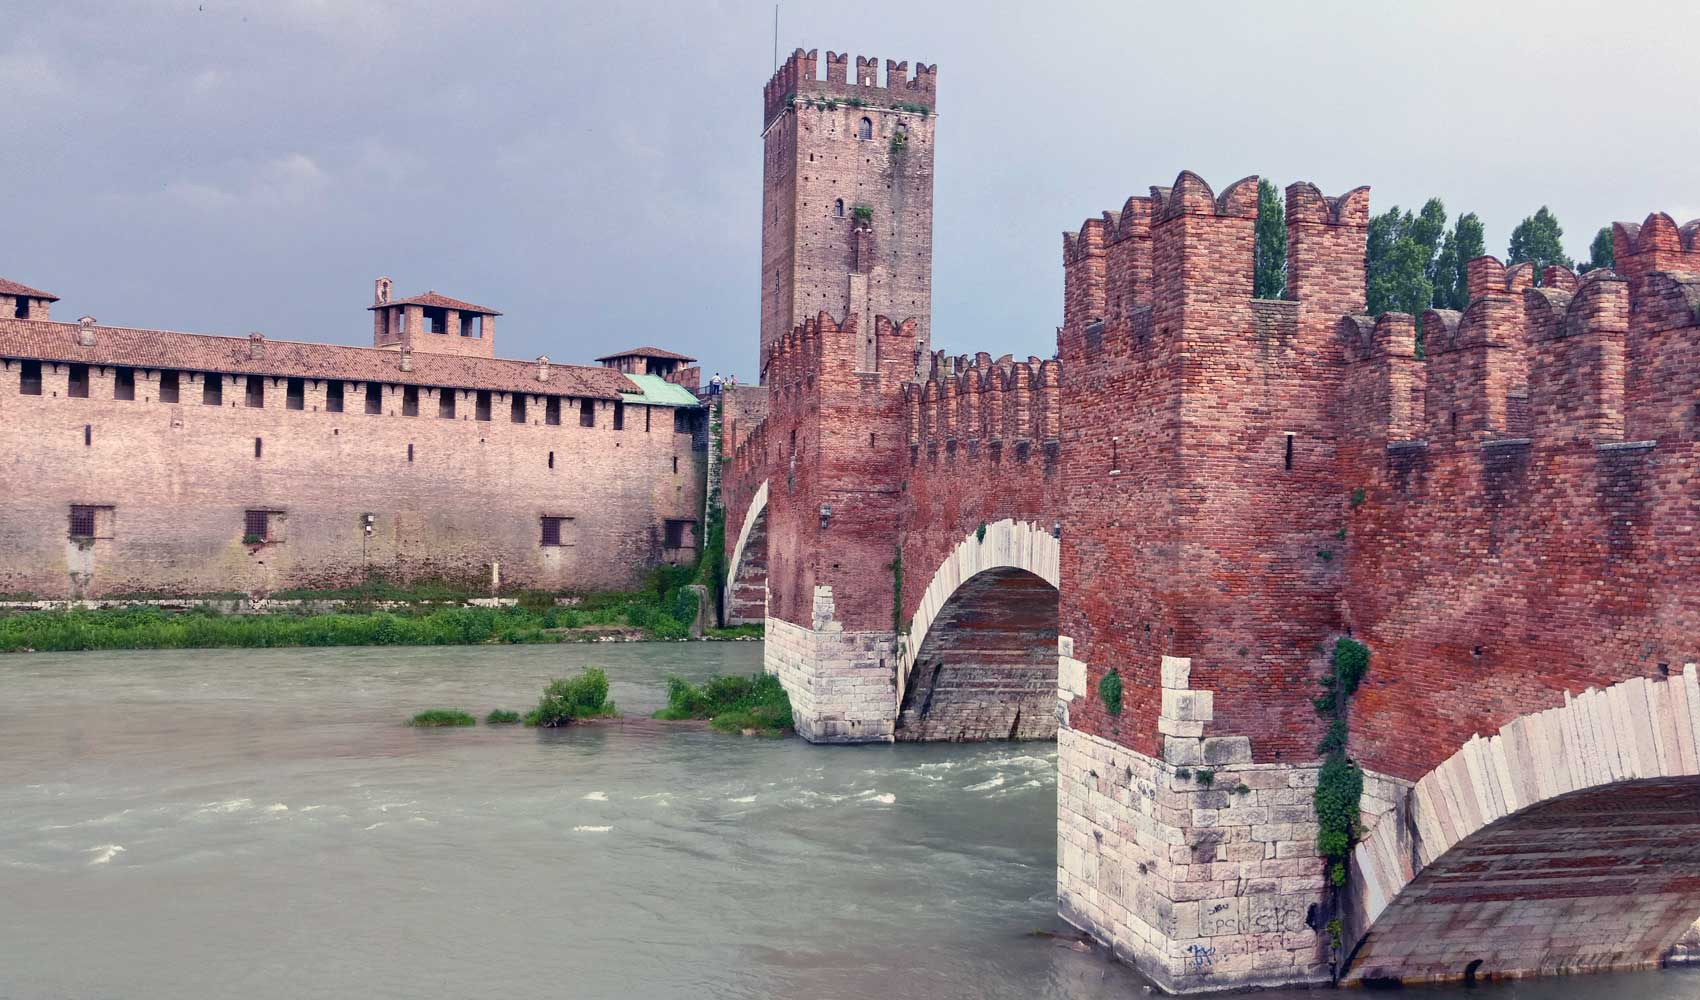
x=866, y=129
x=838, y=208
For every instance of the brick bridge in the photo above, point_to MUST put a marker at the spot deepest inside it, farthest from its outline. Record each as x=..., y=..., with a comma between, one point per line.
x=1202, y=492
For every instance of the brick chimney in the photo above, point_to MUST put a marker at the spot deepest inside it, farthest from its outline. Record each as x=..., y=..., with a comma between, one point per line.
x=256, y=345
x=85, y=331
x=543, y=368
x=406, y=358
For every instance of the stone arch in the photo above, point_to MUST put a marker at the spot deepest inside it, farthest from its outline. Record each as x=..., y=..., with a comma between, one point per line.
x=1567, y=842
x=979, y=658
x=746, y=574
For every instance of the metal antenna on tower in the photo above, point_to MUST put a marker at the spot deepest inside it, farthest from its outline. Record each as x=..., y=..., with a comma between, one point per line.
x=776, y=38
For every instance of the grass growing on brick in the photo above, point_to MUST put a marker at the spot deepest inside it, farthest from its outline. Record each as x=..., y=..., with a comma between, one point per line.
x=731, y=704
x=437, y=717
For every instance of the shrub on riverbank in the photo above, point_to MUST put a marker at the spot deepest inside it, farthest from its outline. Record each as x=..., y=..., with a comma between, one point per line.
x=571, y=698
x=731, y=704
x=443, y=717
x=501, y=717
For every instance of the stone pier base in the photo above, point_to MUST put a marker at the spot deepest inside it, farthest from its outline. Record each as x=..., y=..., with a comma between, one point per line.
x=1199, y=869
x=843, y=685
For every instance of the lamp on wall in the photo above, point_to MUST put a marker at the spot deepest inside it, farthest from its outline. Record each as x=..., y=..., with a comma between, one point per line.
x=825, y=514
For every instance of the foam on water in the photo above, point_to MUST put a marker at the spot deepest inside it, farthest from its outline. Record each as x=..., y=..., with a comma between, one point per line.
x=105, y=853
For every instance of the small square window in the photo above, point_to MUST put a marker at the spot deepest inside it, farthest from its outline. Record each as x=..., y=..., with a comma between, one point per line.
x=680, y=534
x=262, y=526
x=82, y=521
x=556, y=531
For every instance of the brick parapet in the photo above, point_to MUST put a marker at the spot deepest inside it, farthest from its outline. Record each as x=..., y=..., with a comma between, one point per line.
x=798, y=77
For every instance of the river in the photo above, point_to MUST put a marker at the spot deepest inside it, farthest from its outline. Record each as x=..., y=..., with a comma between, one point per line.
x=259, y=824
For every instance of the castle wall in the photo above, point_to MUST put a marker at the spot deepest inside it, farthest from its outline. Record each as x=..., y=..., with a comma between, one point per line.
x=449, y=497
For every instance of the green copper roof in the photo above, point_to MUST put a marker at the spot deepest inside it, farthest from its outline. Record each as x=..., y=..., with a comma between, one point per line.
x=657, y=391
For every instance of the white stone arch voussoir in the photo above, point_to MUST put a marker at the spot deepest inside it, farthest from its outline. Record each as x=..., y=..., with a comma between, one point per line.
x=1008, y=544
x=757, y=508
x=1639, y=728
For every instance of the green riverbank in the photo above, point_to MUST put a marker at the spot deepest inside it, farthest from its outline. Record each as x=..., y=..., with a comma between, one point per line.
x=663, y=609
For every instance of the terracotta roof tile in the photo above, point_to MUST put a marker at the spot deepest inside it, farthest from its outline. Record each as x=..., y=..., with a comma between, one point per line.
x=647, y=352
x=48, y=341
x=433, y=299
x=15, y=290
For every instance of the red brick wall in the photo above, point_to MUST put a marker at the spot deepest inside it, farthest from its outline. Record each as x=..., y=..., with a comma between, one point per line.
x=816, y=260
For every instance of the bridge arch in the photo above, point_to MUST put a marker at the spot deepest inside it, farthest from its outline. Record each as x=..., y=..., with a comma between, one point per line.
x=746, y=573
x=979, y=659
x=1568, y=842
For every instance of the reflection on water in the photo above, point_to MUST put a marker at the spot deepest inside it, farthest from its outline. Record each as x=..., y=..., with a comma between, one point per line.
x=259, y=823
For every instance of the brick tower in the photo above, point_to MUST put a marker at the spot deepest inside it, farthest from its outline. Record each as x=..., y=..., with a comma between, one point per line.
x=847, y=198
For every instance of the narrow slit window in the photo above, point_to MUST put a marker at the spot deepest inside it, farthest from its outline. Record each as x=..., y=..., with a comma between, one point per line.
x=675, y=465
x=78, y=386
x=333, y=397
x=295, y=394
x=1288, y=459
x=88, y=435
x=170, y=387
x=124, y=383
x=551, y=460
x=259, y=447
x=619, y=415
x=410, y=451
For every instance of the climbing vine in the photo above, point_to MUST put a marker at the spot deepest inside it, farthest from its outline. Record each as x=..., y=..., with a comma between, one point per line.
x=897, y=594
x=1340, y=783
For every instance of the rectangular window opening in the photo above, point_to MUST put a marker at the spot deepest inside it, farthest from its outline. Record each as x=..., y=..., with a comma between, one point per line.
x=680, y=534
x=333, y=397
x=212, y=390
x=29, y=378
x=78, y=386
x=295, y=394
x=646, y=411
x=170, y=387
x=436, y=320
x=481, y=405
x=517, y=408
x=551, y=460
x=257, y=526
x=410, y=401
x=587, y=413
x=88, y=435
x=256, y=392
x=374, y=397
x=681, y=420
x=83, y=521
x=259, y=447
x=446, y=403
x=123, y=383
x=1289, y=456
x=555, y=531
x=410, y=451
x=552, y=411
x=619, y=415
x=469, y=325
x=675, y=465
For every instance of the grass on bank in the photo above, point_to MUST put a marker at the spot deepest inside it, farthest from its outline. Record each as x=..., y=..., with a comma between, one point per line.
x=731, y=704
x=501, y=717
x=443, y=717
x=661, y=609
x=568, y=699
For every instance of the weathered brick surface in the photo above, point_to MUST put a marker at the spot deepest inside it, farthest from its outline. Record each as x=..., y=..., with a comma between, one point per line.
x=818, y=254
x=449, y=497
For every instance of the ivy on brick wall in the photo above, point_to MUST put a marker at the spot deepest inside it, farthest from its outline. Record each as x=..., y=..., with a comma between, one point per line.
x=1340, y=783
x=1110, y=691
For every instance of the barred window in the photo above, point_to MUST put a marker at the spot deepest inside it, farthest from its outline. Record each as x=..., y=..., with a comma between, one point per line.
x=556, y=530
x=680, y=534
x=256, y=526
x=82, y=521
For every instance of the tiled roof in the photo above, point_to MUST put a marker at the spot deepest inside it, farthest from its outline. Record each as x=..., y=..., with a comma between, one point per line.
x=439, y=301
x=647, y=352
x=114, y=345
x=16, y=290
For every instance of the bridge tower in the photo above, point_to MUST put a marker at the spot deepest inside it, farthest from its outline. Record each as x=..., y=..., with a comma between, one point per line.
x=847, y=198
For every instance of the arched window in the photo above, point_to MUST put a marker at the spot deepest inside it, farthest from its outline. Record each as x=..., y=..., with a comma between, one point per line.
x=838, y=208
x=866, y=129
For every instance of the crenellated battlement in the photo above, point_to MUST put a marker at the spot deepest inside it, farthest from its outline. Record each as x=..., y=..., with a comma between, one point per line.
x=972, y=400
x=798, y=77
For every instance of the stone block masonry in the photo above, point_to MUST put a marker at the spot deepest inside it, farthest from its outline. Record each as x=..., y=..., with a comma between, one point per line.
x=842, y=684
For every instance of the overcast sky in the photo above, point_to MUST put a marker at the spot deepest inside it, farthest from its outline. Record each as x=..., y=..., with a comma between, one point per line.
x=593, y=170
